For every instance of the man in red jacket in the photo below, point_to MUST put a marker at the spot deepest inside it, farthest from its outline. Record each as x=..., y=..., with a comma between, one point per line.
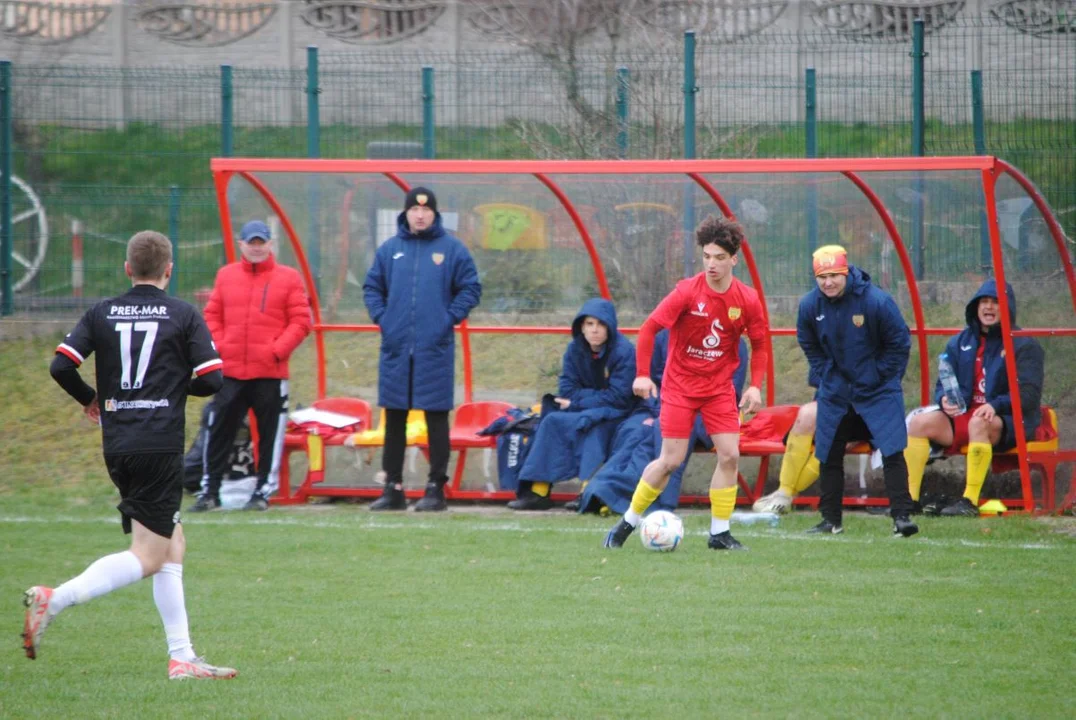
x=258, y=313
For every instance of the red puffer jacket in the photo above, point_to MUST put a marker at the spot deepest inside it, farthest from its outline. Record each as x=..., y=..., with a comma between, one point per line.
x=258, y=314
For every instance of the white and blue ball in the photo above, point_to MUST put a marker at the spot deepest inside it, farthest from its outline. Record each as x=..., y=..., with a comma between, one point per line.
x=661, y=531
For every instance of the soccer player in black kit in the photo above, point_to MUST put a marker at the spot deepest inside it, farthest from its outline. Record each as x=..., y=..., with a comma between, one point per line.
x=152, y=352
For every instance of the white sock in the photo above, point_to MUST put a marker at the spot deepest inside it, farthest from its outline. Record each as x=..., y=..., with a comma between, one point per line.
x=718, y=526
x=632, y=518
x=103, y=576
x=168, y=594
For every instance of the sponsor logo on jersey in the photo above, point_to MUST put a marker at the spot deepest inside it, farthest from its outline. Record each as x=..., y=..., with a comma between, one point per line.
x=112, y=405
x=438, y=258
x=701, y=312
x=857, y=320
x=734, y=313
x=713, y=339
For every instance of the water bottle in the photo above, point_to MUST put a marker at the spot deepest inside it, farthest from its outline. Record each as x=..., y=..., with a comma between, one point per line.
x=753, y=518
x=950, y=386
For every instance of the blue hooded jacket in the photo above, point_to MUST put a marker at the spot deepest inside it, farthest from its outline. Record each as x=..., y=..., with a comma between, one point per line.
x=857, y=346
x=575, y=442
x=419, y=287
x=1030, y=362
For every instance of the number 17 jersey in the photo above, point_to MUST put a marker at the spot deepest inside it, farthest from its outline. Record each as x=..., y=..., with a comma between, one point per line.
x=148, y=344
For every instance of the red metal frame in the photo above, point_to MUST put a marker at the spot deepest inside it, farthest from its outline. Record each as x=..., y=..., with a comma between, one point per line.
x=989, y=168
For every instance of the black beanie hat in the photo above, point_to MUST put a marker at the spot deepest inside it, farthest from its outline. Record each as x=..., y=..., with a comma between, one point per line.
x=420, y=196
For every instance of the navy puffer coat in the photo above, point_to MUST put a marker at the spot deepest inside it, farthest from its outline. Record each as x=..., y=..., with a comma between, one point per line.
x=857, y=346
x=419, y=287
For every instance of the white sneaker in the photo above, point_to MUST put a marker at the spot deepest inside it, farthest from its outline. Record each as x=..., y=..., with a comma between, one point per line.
x=198, y=669
x=36, y=600
x=775, y=502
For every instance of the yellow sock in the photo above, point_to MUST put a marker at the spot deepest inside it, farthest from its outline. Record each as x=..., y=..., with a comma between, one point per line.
x=808, y=475
x=916, y=455
x=643, y=497
x=797, y=453
x=722, y=501
x=979, y=456
x=540, y=488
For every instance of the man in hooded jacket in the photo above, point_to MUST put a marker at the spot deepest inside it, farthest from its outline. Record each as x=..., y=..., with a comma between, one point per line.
x=423, y=283
x=977, y=355
x=593, y=396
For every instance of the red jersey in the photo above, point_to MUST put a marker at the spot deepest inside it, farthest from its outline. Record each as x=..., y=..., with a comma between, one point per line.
x=704, y=336
x=978, y=394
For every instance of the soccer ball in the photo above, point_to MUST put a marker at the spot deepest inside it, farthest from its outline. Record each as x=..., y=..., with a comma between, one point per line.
x=662, y=531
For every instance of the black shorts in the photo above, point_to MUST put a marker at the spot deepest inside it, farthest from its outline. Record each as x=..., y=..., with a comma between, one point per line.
x=151, y=488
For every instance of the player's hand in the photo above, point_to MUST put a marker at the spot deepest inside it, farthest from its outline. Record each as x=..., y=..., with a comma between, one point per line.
x=985, y=412
x=563, y=402
x=751, y=402
x=93, y=412
x=644, y=387
x=948, y=408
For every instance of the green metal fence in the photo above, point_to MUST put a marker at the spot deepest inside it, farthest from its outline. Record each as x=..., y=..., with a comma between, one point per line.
x=117, y=150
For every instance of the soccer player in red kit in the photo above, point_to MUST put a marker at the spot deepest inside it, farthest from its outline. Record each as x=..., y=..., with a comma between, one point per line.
x=706, y=315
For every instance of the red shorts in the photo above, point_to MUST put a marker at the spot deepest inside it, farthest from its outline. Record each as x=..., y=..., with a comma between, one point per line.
x=719, y=414
x=960, y=433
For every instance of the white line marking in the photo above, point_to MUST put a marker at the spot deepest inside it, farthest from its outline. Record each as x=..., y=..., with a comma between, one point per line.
x=367, y=523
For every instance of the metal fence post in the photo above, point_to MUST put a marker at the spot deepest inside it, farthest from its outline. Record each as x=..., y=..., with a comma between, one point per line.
x=313, y=150
x=173, y=234
x=810, y=127
x=979, y=133
x=918, y=144
x=429, y=150
x=313, y=110
x=690, y=90
x=7, y=299
x=623, y=82
x=226, y=110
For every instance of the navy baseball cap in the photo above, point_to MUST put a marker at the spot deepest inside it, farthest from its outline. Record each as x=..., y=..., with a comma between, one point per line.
x=254, y=229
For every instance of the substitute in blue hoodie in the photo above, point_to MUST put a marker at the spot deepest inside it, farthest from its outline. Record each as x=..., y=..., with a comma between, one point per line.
x=978, y=359
x=857, y=345
x=593, y=396
x=422, y=283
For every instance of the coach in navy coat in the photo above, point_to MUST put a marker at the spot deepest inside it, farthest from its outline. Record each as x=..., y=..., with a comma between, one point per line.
x=857, y=345
x=594, y=395
x=422, y=283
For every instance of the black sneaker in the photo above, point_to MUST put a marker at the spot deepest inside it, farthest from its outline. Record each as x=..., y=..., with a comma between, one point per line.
x=962, y=507
x=620, y=532
x=433, y=500
x=392, y=498
x=574, y=505
x=826, y=528
x=917, y=509
x=204, y=504
x=256, y=502
x=934, y=504
x=531, y=500
x=903, y=525
x=724, y=541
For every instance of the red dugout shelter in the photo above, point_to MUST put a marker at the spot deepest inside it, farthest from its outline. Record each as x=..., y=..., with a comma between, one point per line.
x=333, y=213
